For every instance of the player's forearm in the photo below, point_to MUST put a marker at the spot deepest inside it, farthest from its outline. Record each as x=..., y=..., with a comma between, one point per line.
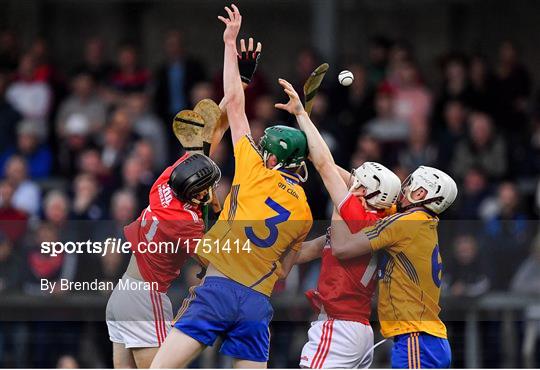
x=287, y=263
x=346, y=245
x=232, y=84
x=319, y=152
x=311, y=250
x=345, y=175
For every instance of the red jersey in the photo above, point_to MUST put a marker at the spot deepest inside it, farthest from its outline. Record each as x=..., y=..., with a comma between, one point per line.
x=346, y=287
x=162, y=232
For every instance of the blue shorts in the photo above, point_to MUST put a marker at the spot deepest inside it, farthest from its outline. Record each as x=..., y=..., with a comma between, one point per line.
x=238, y=314
x=420, y=350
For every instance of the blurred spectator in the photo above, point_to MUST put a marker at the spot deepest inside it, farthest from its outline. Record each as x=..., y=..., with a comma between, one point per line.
x=30, y=96
x=419, y=150
x=9, y=50
x=30, y=146
x=129, y=76
x=473, y=193
x=512, y=88
x=149, y=127
x=306, y=62
x=326, y=124
x=527, y=278
x=482, y=148
x=455, y=84
x=123, y=210
x=144, y=152
x=467, y=277
x=136, y=180
x=453, y=131
x=83, y=101
x=367, y=149
x=413, y=100
x=353, y=104
x=45, y=71
x=12, y=220
x=201, y=90
x=506, y=232
x=175, y=78
x=390, y=131
x=89, y=161
x=10, y=266
x=56, y=208
x=8, y=115
x=378, y=59
x=117, y=140
x=399, y=54
x=44, y=266
x=482, y=85
x=75, y=139
x=265, y=111
x=94, y=61
x=86, y=203
x=67, y=362
x=26, y=196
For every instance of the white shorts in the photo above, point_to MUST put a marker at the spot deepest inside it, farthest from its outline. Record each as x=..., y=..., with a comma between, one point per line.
x=138, y=317
x=338, y=344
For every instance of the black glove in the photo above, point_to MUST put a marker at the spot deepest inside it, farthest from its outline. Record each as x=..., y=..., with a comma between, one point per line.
x=247, y=65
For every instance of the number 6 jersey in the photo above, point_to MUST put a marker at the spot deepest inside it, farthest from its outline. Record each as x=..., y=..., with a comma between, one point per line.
x=410, y=269
x=265, y=214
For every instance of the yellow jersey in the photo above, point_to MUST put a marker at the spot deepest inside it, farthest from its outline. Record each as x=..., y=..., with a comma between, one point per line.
x=265, y=214
x=410, y=273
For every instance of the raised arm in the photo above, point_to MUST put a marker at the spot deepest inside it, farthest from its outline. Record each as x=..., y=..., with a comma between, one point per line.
x=248, y=62
x=232, y=83
x=319, y=153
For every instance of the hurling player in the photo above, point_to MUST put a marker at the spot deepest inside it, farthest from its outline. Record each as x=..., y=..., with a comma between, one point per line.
x=410, y=269
x=342, y=336
x=265, y=216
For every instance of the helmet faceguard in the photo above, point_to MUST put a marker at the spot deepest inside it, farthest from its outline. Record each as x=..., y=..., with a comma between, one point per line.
x=382, y=185
x=193, y=176
x=441, y=189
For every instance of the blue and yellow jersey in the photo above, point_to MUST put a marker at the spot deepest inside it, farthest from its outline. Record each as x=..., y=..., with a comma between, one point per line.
x=267, y=211
x=410, y=269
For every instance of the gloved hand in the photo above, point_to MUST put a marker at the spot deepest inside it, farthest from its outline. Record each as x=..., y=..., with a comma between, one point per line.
x=248, y=60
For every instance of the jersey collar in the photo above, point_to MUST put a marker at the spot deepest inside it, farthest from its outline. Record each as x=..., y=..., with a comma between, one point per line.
x=290, y=175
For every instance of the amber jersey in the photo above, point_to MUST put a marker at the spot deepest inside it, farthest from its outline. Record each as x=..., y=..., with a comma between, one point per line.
x=265, y=214
x=410, y=273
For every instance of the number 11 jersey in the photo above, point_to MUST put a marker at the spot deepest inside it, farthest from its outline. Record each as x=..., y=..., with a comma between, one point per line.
x=265, y=214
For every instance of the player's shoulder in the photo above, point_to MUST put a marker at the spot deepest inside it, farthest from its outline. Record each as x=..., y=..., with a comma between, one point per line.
x=246, y=143
x=419, y=215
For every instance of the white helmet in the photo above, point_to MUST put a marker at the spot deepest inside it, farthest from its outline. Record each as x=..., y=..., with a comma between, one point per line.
x=383, y=186
x=441, y=188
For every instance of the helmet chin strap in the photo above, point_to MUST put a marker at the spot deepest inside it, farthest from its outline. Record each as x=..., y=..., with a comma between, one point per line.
x=418, y=204
x=206, y=199
x=305, y=177
x=303, y=165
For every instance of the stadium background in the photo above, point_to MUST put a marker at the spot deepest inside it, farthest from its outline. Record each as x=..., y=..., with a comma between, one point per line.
x=85, y=112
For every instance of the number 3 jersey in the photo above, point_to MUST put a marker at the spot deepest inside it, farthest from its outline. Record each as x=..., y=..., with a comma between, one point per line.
x=265, y=214
x=160, y=236
x=410, y=270
x=346, y=287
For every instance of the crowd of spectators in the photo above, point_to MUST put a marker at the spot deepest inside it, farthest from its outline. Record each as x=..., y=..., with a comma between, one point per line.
x=81, y=147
